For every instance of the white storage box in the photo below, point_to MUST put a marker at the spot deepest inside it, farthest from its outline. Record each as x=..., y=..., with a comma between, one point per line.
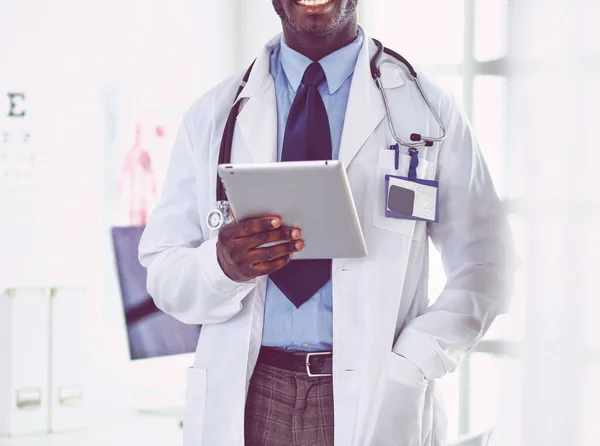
x=67, y=359
x=24, y=360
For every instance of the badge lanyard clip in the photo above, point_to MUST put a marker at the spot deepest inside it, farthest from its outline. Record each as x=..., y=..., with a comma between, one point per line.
x=414, y=161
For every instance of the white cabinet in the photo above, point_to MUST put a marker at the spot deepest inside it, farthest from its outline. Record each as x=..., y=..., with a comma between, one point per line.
x=24, y=359
x=42, y=360
x=67, y=359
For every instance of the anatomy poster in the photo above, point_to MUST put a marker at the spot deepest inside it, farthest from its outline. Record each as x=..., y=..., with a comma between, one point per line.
x=144, y=146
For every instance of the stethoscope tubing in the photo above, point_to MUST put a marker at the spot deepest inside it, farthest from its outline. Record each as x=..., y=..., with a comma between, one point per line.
x=417, y=140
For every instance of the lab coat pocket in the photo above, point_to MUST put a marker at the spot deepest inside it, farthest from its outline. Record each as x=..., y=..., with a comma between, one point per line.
x=386, y=165
x=195, y=401
x=400, y=405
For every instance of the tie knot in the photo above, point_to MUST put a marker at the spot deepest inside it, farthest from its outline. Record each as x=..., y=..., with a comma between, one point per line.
x=314, y=75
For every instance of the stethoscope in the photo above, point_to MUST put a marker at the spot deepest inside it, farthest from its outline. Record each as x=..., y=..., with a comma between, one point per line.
x=222, y=216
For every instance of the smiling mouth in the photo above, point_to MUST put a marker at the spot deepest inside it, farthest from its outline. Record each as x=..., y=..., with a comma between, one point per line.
x=314, y=6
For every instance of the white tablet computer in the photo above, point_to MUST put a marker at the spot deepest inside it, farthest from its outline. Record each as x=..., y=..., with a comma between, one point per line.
x=311, y=195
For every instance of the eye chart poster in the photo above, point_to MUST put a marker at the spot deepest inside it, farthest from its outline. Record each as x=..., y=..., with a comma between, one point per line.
x=18, y=161
x=21, y=216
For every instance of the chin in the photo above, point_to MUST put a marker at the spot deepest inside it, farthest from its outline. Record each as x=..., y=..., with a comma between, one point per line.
x=315, y=17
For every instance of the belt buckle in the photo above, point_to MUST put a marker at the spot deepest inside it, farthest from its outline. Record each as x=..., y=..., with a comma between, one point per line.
x=308, y=356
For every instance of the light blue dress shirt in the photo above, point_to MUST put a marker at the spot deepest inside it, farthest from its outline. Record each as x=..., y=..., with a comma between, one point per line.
x=310, y=327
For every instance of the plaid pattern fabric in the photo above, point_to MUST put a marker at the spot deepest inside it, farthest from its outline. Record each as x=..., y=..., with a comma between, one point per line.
x=287, y=408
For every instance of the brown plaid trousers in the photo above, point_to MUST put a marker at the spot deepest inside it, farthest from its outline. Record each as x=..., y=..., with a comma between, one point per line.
x=285, y=408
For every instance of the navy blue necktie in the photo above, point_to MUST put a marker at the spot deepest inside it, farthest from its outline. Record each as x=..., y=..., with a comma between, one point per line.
x=307, y=138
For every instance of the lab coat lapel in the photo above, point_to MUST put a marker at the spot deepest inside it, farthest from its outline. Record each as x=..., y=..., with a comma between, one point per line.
x=257, y=121
x=365, y=107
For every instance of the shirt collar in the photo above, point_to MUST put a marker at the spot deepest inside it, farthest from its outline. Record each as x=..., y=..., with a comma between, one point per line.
x=338, y=66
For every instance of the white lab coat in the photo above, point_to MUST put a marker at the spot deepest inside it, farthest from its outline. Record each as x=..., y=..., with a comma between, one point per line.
x=390, y=345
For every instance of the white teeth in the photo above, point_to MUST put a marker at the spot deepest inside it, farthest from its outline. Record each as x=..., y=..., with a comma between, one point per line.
x=313, y=2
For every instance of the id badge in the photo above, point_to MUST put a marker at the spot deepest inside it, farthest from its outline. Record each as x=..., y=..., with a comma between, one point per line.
x=410, y=197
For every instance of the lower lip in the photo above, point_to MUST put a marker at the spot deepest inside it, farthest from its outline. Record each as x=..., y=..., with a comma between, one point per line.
x=316, y=9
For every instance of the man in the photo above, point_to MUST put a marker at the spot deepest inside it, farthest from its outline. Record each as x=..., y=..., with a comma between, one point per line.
x=310, y=95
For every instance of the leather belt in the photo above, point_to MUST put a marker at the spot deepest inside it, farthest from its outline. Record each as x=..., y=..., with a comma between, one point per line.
x=313, y=364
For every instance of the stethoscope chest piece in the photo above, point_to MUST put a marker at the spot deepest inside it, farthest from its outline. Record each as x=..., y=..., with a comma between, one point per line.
x=217, y=218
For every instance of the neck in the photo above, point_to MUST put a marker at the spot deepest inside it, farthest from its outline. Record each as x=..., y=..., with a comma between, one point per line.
x=317, y=47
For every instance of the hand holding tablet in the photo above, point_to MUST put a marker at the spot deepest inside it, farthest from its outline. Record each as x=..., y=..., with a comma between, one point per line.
x=313, y=196
x=239, y=250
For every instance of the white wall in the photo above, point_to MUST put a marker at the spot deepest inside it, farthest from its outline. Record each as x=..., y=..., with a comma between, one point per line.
x=86, y=67
x=258, y=24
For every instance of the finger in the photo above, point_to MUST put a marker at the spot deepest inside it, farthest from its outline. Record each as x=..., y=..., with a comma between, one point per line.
x=249, y=226
x=256, y=225
x=265, y=268
x=275, y=235
x=261, y=255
